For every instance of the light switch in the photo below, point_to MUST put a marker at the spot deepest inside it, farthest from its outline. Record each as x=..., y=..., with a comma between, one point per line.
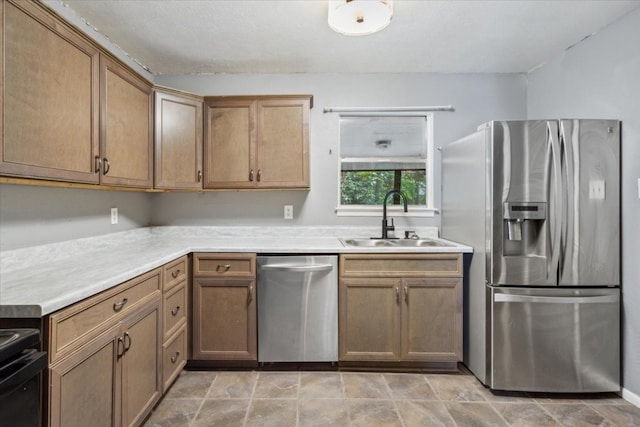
x=596, y=189
x=114, y=215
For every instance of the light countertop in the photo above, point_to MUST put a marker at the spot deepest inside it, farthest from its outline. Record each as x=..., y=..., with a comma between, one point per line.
x=39, y=280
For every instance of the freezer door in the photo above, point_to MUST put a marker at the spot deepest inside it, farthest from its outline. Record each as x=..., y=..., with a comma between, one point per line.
x=590, y=241
x=555, y=340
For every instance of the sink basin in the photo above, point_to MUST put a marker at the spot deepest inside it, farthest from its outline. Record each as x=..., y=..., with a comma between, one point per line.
x=369, y=243
x=413, y=243
x=404, y=243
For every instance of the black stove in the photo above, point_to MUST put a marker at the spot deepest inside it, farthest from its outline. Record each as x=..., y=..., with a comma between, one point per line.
x=20, y=366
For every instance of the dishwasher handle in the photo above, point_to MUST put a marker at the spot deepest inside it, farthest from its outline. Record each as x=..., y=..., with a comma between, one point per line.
x=302, y=268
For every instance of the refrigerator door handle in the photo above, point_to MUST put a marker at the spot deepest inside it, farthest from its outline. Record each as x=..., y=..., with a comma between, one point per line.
x=598, y=299
x=555, y=209
x=569, y=239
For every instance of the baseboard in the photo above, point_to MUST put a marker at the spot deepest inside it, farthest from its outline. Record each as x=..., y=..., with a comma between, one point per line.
x=631, y=397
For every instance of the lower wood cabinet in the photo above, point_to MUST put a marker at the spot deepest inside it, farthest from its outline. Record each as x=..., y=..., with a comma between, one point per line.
x=407, y=310
x=114, y=379
x=114, y=354
x=175, y=315
x=224, y=308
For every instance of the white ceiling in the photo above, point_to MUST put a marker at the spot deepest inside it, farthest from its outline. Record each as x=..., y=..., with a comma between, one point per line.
x=292, y=36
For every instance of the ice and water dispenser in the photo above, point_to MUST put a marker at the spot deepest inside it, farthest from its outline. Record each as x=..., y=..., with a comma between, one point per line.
x=524, y=228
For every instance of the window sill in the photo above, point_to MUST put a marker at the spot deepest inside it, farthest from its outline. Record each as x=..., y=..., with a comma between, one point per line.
x=368, y=211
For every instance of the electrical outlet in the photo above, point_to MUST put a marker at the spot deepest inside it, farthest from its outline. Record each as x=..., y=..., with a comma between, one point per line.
x=596, y=189
x=114, y=215
x=288, y=211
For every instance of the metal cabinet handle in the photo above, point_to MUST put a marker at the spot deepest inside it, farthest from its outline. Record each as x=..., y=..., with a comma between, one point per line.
x=97, y=164
x=174, y=359
x=406, y=295
x=199, y=176
x=397, y=294
x=175, y=273
x=251, y=175
x=259, y=175
x=119, y=346
x=118, y=305
x=223, y=267
x=127, y=341
x=250, y=296
x=174, y=312
x=105, y=165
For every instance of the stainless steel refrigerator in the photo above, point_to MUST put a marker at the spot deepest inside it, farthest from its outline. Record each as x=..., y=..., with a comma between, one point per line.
x=539, y=201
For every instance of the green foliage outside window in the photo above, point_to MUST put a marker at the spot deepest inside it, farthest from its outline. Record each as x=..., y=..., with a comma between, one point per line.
x=370, y=187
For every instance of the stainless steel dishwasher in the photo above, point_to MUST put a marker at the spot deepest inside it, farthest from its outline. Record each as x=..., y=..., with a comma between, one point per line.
x=297, y=308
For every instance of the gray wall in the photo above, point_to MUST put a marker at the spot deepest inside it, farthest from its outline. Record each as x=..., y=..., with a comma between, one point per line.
x=600, y=78
x=476, y=98
x=38, y=215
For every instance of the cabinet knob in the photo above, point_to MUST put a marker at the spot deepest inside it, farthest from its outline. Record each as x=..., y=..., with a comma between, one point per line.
x=223, y=268
x=199, y=176
x=105, y=165
x=127, y=341
x=251, y=175
x=406, y=295
x=174, y=359
x=250, y=295
x=120, y=348
x=397, y=295
x=259, y=175
x=174, y=312
x=118, y=305
x=175, y=273
x=97, y=164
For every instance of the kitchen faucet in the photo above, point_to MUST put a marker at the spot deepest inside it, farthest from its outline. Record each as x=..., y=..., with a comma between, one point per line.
x=385, y=227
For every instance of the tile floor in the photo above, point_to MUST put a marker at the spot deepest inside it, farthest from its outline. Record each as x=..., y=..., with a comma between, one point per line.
x=297, y=399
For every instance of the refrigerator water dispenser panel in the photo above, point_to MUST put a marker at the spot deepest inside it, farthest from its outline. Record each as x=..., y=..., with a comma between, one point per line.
x=516, y=214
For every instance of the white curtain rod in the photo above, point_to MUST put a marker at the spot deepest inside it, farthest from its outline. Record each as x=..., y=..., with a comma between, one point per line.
x=387, y=109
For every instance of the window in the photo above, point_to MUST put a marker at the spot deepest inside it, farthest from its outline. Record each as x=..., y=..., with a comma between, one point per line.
x=379, y=153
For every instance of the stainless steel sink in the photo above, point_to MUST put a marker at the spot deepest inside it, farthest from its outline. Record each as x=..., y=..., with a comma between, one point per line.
x=404, y=243
x=412, y=243
x=369, y=243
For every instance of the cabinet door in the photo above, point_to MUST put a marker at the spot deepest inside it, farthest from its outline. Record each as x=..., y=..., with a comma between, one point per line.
x=178, y=141
x=369, y=319
x=84, y=387
x=126, y=128
x=230, y=136
x=432, y=319
x=142, y=366
x=49, y=86
x=283, y=143
x=224, y=319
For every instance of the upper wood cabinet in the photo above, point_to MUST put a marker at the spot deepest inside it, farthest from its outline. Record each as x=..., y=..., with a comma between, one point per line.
x=178, y=140
x=257, y=142
x=49, y=94
x=69, y=113
x=126, y=127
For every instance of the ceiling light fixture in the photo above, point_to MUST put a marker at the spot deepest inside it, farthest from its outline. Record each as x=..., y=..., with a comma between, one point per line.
x=359, y=17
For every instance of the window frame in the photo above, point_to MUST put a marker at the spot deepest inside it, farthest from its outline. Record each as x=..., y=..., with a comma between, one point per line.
x=427, y=210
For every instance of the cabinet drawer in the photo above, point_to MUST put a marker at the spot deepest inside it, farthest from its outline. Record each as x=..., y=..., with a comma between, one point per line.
x=72, y=326
x=175, y=309
x=174, y=273
x=174, y=353
x=214, y=265
x=401, y=265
